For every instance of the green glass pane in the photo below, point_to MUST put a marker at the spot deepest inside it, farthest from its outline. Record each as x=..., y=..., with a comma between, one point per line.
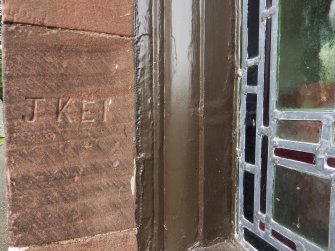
x=302, y=204
x=298, y=130
x=306, y=55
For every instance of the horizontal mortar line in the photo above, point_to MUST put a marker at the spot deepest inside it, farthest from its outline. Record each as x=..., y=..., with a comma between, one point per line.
x=83, y=32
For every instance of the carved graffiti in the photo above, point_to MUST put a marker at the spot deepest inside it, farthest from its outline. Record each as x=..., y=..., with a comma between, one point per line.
x=91, y=111
x=34, y=112
x=62, y=109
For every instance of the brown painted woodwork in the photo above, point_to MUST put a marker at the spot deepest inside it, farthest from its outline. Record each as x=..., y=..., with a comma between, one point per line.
x=186, y=147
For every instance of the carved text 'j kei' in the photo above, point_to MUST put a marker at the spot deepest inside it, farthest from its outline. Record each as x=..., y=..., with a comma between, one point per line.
x=68, y=109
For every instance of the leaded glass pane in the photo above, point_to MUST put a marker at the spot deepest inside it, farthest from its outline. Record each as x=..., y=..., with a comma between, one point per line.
x=288, y=150
x=306, y=66
x=302, y=204
x=298, y=130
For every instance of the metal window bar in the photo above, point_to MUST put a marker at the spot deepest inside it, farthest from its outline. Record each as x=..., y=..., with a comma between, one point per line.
x=322, y=150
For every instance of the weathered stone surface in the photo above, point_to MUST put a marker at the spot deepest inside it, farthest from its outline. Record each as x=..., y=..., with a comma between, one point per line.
x=117, y=241
x=2, y=131
x=108, y=16
x=3, y=201
x=69, y=119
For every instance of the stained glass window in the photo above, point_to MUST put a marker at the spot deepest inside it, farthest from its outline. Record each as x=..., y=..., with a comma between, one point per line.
x=287, y=162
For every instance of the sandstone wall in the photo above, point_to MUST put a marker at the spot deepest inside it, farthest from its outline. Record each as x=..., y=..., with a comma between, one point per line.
x=69, y=120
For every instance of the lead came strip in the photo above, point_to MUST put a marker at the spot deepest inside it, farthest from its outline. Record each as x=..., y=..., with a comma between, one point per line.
x=242, y=119
x=260, y=101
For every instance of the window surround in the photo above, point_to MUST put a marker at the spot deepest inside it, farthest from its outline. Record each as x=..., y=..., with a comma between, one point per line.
x=214, y=89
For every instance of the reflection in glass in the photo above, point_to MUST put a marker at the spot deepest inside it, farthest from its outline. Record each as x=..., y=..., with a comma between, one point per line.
x=298, y=130
x=302, y=204
x=306, y=66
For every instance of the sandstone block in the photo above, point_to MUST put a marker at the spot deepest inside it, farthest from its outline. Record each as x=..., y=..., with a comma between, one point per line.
x=69, y=120
x=107, y=16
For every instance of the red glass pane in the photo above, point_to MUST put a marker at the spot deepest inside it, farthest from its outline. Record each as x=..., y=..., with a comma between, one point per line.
x=331, y=162
x=295, y=155
x=287, y=242
x=262, y=226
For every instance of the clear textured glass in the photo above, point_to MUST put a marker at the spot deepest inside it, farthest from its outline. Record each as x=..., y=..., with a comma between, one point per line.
x=306, y=65
x=302, y=204
x=298, y=130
